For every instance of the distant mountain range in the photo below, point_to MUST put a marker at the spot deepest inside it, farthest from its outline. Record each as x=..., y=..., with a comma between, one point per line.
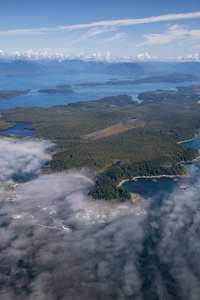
x=45, y=67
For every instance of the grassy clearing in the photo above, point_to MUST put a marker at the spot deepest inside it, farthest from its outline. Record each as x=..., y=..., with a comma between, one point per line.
x=114, y=129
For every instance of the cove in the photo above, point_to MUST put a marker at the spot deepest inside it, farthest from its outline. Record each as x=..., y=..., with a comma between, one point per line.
x=193, y=143
x=160, y=188
x=19, y=129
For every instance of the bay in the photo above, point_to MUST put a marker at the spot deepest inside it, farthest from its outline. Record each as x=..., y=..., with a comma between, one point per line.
x=160, y=188
x=193, y=143
x=82, y=93
x=147, y=188
x=19, y=129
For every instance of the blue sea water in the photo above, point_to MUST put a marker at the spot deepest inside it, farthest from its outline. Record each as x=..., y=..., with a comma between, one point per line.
x=82, y=93
x=151, y=187
x=194, y=143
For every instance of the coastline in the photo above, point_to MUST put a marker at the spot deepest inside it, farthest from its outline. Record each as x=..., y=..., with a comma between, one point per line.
x=135, y=197
x=153, y=177
x=185, y=141
x=161, y=176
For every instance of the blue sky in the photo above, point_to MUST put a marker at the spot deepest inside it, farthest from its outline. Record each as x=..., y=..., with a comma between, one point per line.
x=130, y=28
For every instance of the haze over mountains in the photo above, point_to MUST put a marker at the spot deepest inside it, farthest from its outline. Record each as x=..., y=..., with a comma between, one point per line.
x=48, y=67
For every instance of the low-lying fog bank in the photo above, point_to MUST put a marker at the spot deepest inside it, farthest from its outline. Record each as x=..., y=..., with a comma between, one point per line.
x=57, y=243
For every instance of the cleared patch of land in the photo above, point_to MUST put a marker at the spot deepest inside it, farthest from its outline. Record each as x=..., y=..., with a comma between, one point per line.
x=114, y=129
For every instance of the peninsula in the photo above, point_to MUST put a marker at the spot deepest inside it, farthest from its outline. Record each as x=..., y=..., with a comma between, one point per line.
x=4, y=94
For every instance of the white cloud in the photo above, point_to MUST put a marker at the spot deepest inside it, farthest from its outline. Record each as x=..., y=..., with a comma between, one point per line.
x=117, y=37
x=111, y=23
x=146, y=56
x=34, y=55
x=91, y=33
x=101, y=57
x=188, y=57
x=58, y=244
x=173, y=33
x=21, y=157
x=96, y=31
x=36, y=31
x=129, y=22
x=195, y=34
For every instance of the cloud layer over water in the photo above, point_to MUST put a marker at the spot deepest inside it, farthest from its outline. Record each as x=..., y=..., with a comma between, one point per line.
x=21, y=157
x=56, y=243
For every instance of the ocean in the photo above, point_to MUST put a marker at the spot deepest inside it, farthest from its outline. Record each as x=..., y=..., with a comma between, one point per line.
x=83, y=93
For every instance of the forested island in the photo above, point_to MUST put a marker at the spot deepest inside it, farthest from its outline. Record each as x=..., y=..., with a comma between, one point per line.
x=171, y=78
x=53, y=91
x=100, y=134
x=4, y=94
x=64, y=86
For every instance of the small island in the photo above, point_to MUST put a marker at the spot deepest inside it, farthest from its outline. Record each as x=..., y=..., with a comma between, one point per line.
x=54, y=91
x=89, y=84
x=64, y=86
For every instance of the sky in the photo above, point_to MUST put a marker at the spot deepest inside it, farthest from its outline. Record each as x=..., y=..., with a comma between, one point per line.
x=128, y=28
